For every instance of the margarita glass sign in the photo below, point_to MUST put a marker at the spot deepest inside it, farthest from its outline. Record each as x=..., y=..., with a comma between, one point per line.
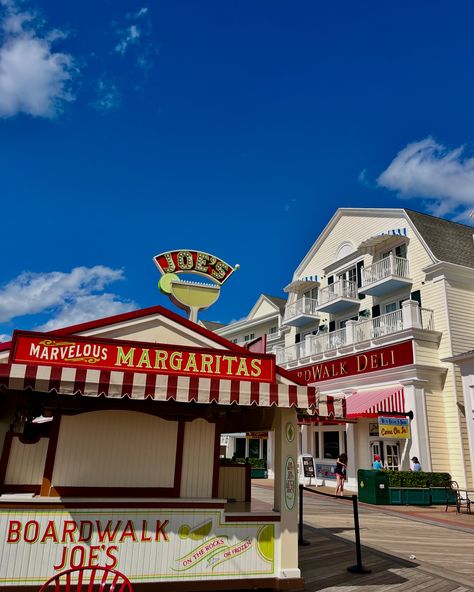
x=192, y=296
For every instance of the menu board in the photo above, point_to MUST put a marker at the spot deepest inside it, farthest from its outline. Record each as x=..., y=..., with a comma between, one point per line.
x=308, y=466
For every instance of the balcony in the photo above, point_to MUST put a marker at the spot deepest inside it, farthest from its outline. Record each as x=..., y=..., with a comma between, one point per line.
x=300, y=313
x=411, y=316
x=338, y=297
x=384, y=276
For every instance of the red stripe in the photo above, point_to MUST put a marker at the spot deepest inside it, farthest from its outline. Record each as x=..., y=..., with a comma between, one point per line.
x=30, y=377
x=55, y=378
x=311, y=396
x=273, y=394
x=254, y=393
x=293, y=395
x=104, y=382
x=172, y=387
x=127, y=385
x=80, y=380
x=193, y=388
x=214, y=390
x=330, y=405
x=150, y=386
x=234, y=391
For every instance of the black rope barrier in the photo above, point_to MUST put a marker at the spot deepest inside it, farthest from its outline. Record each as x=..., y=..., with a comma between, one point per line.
x=358, y=567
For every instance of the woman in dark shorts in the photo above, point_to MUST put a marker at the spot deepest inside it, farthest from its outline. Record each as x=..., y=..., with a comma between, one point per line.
x=341, y=465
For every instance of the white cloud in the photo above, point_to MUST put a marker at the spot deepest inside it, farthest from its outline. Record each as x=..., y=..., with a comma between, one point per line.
x=443, y=177
x=4, y=337
x=130, y=35
x=70, y=297
x=86, y=308
x=34, y=78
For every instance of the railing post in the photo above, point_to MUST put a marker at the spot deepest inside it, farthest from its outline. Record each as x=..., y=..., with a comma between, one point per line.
x=358, y=568
x=301, y=540
x=411, y=314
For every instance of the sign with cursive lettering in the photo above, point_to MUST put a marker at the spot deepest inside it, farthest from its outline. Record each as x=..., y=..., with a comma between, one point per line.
x=400, y=354
x=101, y=354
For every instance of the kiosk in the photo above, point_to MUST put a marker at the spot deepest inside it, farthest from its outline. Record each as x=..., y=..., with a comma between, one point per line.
x=110, y=435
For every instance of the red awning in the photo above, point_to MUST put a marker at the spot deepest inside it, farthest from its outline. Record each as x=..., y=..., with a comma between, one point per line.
x=376, y=402
x=328, y=407
x=161, y=387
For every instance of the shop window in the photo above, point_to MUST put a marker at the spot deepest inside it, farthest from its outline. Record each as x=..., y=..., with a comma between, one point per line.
x=240, y=447
x=265, y=449
x=254, y=448
x=331, y=444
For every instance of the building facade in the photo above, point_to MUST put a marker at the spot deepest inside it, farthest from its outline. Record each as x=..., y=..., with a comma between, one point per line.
x=376, y=310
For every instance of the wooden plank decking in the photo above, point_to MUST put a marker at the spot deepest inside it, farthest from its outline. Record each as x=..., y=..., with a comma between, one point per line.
x=444, y=551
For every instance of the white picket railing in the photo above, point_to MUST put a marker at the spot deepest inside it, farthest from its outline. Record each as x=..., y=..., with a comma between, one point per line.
x=339, y=289
x=301, y=306
x=389, y=266
x=364, y=330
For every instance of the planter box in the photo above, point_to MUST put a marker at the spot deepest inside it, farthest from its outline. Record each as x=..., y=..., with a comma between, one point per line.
x=415, y=496
x=438, y=496
x=395, y=494
x=258, y=473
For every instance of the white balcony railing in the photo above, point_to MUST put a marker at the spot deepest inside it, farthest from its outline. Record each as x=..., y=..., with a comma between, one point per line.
x=301, y=307
x=357, y=332
x=339, y=289
x=377, y=327
x=389, y=266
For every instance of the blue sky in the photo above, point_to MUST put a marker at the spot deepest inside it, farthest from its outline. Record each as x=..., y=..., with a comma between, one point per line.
x=237, y=128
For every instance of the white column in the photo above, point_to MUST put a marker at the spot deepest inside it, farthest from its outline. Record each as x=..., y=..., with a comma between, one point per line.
x=351, y=455
x=351, y=332
x=270, y=445
x=419, y=446
x=286, y=490
x=411, y=315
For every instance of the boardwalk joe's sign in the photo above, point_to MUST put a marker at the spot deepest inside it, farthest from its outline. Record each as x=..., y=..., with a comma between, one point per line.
x=99, y=354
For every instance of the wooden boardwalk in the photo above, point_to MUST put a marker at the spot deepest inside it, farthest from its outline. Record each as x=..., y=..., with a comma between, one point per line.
x=403, y=552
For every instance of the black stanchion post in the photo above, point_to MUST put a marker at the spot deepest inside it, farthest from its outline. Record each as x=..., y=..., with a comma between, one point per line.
x=359, y=568
x=301, y=540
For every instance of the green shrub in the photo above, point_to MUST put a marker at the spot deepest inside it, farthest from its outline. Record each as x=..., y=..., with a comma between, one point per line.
x=255, y=463
x=420, y=479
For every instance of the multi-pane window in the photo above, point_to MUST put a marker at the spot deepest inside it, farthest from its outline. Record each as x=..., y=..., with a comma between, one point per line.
x=349, y=275
x=249, y=337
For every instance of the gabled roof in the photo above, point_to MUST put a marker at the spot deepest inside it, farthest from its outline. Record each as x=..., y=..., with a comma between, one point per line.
x=135, y=315
x=280, y=302
x=211, y=325
x=445, y=240
x=448, y=241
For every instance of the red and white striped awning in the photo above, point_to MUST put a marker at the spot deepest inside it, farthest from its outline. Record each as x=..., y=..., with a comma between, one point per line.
x=161, y=387
x=375, y=402
x=331, y=407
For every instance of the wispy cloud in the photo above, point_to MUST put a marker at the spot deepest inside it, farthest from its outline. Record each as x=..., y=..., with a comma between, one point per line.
x=34, y=78
x=134, y=35
x=107, y=95
x=289, y=204
x=443, y=177
x=67, y=297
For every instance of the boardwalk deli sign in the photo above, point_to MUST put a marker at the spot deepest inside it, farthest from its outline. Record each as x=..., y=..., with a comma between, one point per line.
x=383, y=358
x=100, y=354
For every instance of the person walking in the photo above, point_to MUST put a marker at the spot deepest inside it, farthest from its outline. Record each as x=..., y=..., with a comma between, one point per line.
x=340, y=470
x=377, y=464
x=416, y=465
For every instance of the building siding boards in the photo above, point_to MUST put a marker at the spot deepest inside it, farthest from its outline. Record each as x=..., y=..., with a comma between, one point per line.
x=92, y=446
x=26, y=462
x=198, y=459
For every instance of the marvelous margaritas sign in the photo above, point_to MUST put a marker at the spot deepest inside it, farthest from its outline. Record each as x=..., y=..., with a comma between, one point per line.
x=143, y=545
x=100, y=354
